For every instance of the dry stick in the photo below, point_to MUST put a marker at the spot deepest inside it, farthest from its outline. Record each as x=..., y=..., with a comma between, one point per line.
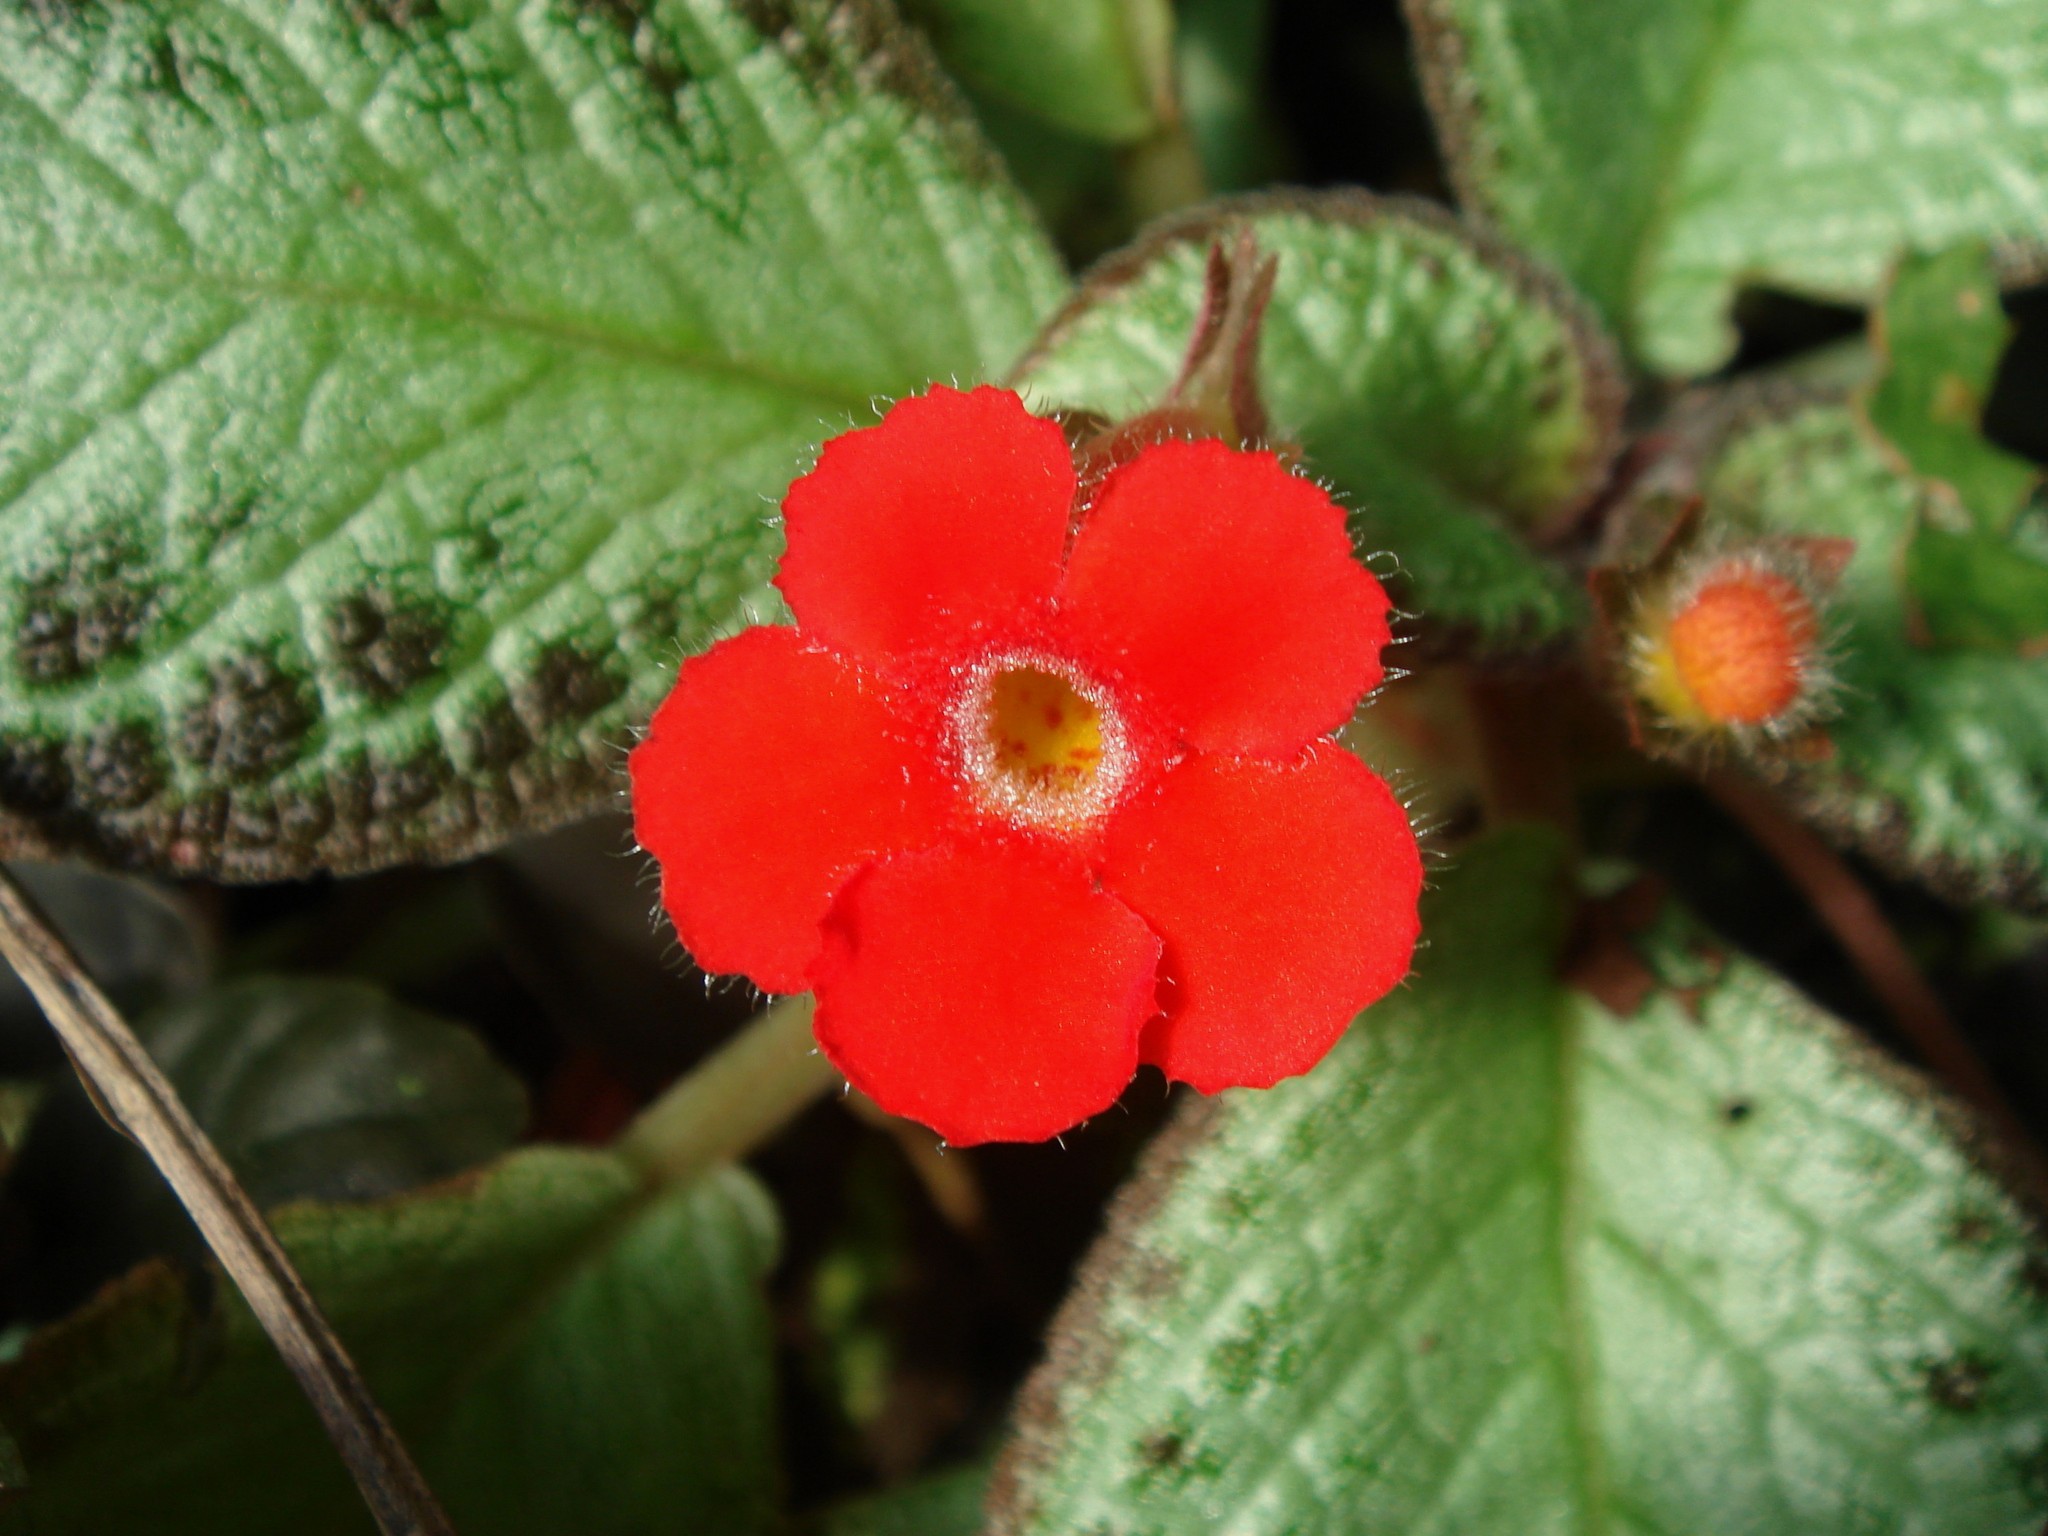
x=1842, y=902
x=139, y=1102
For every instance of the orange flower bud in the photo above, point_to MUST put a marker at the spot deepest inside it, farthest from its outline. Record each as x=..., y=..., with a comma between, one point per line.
x=1733, y=643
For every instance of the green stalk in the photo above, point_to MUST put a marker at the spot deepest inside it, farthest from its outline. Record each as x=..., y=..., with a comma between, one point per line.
x=732, y=1103
x=1162, y=174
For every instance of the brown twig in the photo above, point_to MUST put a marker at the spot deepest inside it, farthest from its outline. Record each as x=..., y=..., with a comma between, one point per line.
x=139, y=1102
x=1842, y=902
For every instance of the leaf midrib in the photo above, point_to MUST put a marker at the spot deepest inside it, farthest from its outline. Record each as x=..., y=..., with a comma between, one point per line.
x=1671, y=157
x=641, y=349
x=550, y=1282
x=1575, y=1324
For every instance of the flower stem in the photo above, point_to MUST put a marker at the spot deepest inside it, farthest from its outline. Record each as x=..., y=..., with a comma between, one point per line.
x=739, y=1098
x=1524, y=772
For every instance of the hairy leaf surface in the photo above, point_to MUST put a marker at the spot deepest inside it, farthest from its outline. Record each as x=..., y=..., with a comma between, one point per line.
x=1662, y=152
x=1509, y=1260
x=1454, y=394
x=390, y=392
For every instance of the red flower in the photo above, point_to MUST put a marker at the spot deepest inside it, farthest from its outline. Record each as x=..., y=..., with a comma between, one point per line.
x=1025, y=800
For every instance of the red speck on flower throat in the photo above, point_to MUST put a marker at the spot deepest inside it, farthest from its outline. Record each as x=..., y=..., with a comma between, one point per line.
x=1026, y=803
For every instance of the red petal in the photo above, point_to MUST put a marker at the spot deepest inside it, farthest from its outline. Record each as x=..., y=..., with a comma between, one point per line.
x=769, y=775
x=985, y=990
x=948, y=516
x=1286, y=897
x=1224, y=590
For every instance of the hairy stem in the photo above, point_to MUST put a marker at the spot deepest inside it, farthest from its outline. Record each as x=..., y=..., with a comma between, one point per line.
x=139, y=1101
x=748, y=1090
x=1524, y=773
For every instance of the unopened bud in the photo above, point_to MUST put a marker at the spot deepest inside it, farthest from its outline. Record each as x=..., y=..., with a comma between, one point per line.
x=1217, y=393
x=1734, y=642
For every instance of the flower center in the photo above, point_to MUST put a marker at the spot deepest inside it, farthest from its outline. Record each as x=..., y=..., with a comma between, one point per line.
x=1041, y=743
x=1043, y=730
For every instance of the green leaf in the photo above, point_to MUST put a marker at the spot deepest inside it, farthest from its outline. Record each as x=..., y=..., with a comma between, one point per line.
x=562, y=1352
x=391, y=390
x=1976, y=589
x=1941, y=333
x=648, y=1384
x=1450, y=391
x=312, y=1089
x=1662, y=152
x=1099, y=68
x=1510, y=1261
x=1940, y=761
x=328, y=1089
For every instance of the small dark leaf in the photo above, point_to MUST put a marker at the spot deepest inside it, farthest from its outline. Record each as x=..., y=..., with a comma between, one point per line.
x=311, y=1089
x=1099, y=68
x=327, y=1089
x=1941, y=333
x=943, y=1504
x=139, y=943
